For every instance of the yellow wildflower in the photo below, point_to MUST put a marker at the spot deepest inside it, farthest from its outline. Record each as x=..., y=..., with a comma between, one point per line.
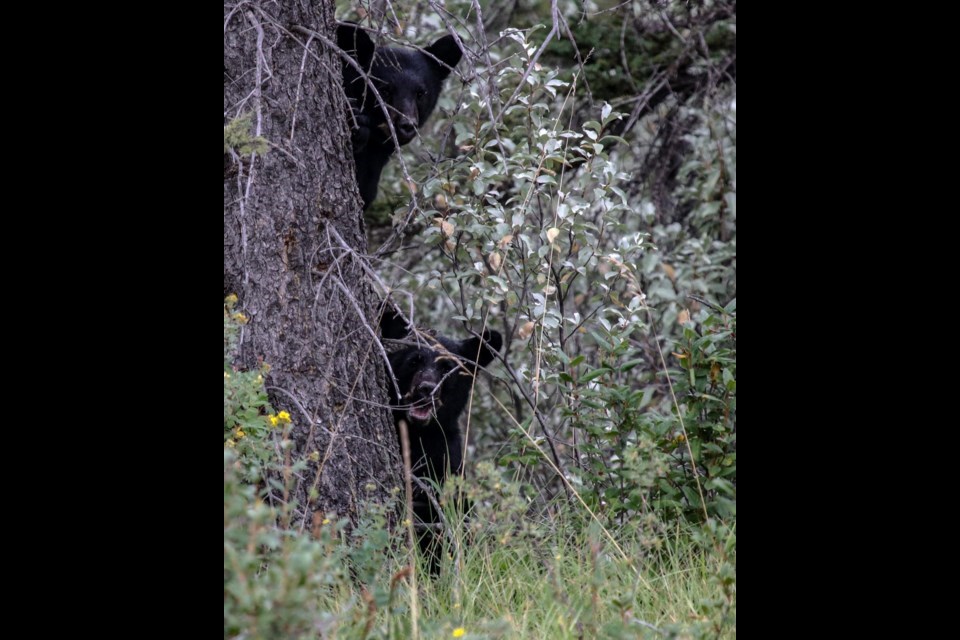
x=283, y=416
x=458, y=632
x=231, y=444
x=232, y=299
x=274, y=420
x=326, y=521
x=240, y=434
x=240, y=318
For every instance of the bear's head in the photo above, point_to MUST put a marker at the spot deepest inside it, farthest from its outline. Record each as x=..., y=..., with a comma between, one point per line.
x=408, y=80
x=434, y=376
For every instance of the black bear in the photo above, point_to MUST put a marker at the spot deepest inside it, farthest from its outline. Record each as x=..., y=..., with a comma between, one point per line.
x=434, y=381
x=408, y=81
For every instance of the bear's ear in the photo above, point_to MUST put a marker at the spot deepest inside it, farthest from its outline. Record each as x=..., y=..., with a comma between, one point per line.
x=355, y=42
x=392, y=324
x=447, y=51
x=471, y=348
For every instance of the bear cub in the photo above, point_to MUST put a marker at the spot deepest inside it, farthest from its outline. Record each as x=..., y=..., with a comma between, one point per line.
x=434, y=382
x=408, y=81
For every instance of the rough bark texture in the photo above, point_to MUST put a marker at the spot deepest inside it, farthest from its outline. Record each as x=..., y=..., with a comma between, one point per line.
x=293, y=242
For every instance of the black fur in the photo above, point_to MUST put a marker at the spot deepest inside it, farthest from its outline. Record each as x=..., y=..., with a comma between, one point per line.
x=408, y=80
x=434, y=381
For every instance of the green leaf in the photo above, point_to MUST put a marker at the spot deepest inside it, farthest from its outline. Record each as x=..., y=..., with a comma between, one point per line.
x=594, y=374
x=647, y=396
x=605, y=112
x=630, y=364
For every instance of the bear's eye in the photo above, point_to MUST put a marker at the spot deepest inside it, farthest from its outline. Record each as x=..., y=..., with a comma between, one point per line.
x=421, y=93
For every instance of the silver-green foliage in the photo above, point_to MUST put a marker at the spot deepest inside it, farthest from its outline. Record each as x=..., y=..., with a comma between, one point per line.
x=536, y=226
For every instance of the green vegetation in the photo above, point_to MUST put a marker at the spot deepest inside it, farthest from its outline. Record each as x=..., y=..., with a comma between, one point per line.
x=237, y=138
x=590, y=217
x=520, y=576
x=510, y=571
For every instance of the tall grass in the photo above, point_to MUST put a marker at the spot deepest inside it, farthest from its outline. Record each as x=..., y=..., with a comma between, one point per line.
x=552, y=577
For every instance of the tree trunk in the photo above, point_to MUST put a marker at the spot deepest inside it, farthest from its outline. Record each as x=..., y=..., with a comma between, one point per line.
x=293, y=247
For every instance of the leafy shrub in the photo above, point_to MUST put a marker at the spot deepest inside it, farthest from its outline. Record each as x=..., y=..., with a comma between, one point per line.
x=247, y=418
x=534, y=228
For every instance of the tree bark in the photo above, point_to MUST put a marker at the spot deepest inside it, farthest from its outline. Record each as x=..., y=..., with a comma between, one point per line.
x=293, y=247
